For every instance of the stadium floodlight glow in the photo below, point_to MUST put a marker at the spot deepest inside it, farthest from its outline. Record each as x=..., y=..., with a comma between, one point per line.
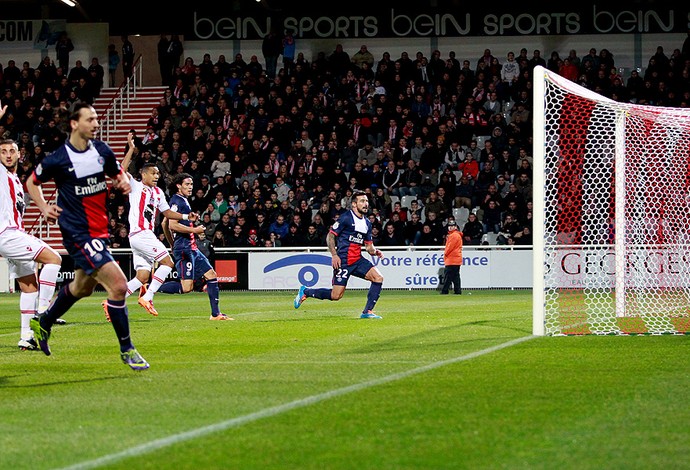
x=70, y=3
x=611, y=213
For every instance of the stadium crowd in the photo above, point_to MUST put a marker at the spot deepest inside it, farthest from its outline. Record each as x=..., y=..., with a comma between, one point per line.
x=275, y=158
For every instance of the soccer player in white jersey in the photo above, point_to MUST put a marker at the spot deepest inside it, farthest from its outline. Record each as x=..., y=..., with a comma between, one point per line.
x=21, y=249
x=146, y=201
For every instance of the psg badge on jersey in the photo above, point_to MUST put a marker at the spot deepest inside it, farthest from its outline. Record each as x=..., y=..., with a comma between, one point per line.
x=101, y=160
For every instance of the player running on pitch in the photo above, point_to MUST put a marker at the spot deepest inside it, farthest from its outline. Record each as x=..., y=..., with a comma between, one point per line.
x=79, y=168
x=190, y=262
x=146, y=201
x=345, y=240
x=22, y=250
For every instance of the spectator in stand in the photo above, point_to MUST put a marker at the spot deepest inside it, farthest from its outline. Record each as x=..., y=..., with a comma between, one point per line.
x=96, y=76
x=509, y=228
x=473, y=231
x=77, y=73
x=294, y=237
x=469, y=167
x=410, y=180
x=491, y=218
x=590, y=61
x=289, y=47
x=164, y=66
x=569, y=70
x=361, y=57
x=555, y=62
x=391, y=179
x=391, y=236
x=436, y=205
x=413, y=229
x=236, y=238
x=428, y=237
x=63, y=47
x=127, y=56
x=279, y=227
x=510, y=72
x=113, y=63
x=536, y=59
x=271, y=48
x=173, y=56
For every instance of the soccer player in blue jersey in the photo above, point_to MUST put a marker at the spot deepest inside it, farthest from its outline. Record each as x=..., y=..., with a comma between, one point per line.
x=190, y=262
x=79, y=168
x=345, y=240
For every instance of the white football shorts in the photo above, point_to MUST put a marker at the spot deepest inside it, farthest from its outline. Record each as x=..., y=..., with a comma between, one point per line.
x=20, y=249
x=147, y=249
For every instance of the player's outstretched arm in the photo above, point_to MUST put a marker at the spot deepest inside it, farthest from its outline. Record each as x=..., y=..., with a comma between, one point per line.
x=121, y=183
x=176, y=226
x=172, y=215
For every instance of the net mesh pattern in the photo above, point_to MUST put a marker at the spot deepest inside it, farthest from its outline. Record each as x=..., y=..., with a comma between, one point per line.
x=609, y=272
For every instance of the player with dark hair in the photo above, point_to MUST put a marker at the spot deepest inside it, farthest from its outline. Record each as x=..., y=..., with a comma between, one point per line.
x=146, y=200
x=190, y=262
x=22, y=250
x=79, y=168
x=345, y=240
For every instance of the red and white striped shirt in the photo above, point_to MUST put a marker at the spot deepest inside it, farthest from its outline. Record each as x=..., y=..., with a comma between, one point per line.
x=145, y=204
x=11, y=201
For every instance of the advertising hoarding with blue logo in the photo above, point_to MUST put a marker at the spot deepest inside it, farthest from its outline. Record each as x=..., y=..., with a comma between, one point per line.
x=401, y=269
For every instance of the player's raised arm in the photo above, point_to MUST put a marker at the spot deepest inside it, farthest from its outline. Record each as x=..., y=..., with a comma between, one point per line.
x=130, y=152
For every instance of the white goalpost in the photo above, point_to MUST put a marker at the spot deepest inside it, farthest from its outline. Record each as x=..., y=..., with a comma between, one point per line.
x=611, y=213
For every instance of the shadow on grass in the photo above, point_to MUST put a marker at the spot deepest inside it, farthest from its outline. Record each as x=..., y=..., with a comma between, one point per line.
x=413, y=341
x=5, y=381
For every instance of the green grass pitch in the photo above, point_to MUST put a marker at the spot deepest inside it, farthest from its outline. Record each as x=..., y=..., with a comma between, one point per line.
x=442, y=382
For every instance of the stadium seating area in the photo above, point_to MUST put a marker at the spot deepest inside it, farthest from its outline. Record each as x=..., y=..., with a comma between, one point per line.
x=453, y=135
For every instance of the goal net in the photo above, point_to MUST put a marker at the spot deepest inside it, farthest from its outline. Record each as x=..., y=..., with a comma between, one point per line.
x=611, y=213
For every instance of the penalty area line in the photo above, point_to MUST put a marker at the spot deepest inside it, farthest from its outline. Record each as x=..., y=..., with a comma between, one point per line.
x=168, y=441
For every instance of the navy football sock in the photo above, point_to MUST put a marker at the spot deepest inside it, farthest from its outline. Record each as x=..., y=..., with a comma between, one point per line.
x=171, y=287
x=63, y=301
x=373, y=296
x=323, y=294
x=213, y=294
x=117, y=309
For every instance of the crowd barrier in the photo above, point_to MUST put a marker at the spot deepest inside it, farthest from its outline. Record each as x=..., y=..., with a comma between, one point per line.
x=485, y=267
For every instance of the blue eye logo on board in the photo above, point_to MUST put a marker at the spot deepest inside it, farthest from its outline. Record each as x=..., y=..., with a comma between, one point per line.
x=308, y=275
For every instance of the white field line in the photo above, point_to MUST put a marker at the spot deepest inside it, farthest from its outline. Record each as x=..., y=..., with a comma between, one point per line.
x=173, y=439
